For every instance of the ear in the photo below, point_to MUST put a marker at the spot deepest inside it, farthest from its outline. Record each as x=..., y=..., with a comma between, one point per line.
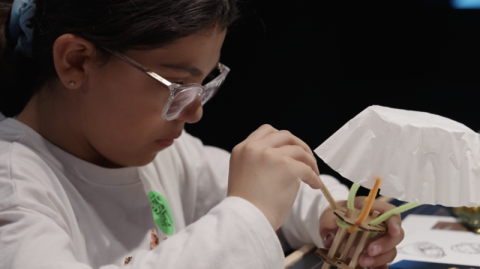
x=71, y=55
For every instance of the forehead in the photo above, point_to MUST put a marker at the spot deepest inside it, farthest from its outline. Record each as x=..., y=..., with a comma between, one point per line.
x=201, y=50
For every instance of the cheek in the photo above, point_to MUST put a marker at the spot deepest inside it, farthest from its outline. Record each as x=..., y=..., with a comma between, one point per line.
x=125, y=94
x=123, y=110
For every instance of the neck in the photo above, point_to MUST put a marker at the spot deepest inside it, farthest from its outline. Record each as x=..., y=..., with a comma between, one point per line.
x=55, y=117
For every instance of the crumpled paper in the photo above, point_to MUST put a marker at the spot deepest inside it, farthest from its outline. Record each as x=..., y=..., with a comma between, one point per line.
x=421, y=157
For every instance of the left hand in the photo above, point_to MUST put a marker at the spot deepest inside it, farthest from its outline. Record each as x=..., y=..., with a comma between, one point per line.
x=382, y=249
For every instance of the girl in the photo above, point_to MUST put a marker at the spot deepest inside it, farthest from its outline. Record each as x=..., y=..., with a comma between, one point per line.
x=96, y=170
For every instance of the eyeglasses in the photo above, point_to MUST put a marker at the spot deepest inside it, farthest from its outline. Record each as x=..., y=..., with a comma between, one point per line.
x=180, y=95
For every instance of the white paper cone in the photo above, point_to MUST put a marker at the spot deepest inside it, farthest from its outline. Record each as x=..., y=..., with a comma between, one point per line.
x=420, y=157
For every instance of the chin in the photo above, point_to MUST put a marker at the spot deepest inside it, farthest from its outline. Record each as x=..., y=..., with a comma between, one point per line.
x=139, y=160
x=142, y=161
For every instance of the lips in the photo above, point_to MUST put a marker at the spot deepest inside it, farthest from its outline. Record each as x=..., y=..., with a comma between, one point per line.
x=165, y=142
x=170, y=138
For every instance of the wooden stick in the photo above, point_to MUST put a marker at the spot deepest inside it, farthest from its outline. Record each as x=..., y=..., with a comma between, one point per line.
x=329, y=197
x=326, y=265
x=350, y=241
x=351, y=238
x=349, y=213
x=359, y=249
x=341, y=233
x=298, y=254
x=361, y=244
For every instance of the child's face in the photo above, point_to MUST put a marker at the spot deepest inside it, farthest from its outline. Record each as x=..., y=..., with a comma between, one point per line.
x=121, y=108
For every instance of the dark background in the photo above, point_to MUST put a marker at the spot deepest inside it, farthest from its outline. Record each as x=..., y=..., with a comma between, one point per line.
x=310, y=66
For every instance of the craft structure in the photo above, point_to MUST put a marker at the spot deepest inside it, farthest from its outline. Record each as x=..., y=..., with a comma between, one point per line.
x=353, y=223
x=422, y=158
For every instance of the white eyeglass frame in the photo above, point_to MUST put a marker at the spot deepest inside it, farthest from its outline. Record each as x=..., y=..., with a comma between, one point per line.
x=176, y=89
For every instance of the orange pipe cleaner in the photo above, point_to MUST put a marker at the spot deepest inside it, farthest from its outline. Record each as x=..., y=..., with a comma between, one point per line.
x=368, y=205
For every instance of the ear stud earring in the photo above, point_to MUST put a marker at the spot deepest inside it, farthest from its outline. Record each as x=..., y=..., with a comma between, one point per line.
x=72, y=83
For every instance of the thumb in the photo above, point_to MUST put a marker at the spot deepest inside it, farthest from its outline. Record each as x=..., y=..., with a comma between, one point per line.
x=328, y=238
x=328, y=226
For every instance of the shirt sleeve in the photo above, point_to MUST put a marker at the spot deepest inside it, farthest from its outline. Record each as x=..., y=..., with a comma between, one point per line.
x=30, y=239
x=302, y=225
x=34, y=232
x=234, y=234
x=204, y=184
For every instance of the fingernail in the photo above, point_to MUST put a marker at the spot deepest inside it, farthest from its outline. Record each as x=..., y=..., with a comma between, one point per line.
x=376, y=249
x=396, y=230
x=367, y=261
x=327, y=241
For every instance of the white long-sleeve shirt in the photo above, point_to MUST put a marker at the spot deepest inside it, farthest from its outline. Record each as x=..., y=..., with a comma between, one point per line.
x=59, y=212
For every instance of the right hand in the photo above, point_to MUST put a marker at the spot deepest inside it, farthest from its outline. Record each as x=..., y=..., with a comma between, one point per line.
x=267, y=168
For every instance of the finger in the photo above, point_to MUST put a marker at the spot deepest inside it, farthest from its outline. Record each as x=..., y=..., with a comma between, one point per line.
x=382, y=206
x=328, y=225
x=378, y=205
x=384, y=244
x=298, y=154
x=308, y=176
x=394, y=222
x=328, y=222
x=379, y=261
x=261, y=132
x=283, y=138
x=380, y=267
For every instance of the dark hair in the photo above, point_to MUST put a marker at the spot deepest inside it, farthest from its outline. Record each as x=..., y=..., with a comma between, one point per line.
x=114, y=24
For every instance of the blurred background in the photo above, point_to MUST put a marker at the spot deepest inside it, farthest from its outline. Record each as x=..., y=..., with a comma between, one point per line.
x=310, y=66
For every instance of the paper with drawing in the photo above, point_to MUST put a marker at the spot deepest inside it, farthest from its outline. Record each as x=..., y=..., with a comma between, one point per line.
x=441, y=246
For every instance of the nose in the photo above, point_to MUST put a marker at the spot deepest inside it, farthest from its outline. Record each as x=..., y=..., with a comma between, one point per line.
x=192, y=113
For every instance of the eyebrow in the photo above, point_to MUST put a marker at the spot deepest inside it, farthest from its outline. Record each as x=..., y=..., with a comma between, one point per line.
x=194, y=71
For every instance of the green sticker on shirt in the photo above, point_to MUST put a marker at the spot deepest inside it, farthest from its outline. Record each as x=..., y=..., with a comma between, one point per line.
x=161, y=212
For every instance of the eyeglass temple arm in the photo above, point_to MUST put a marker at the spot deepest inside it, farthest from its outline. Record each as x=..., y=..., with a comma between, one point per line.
x=139, y=66
x=223, y=73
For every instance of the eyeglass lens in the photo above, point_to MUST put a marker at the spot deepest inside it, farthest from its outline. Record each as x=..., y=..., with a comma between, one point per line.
x=210, y=90
x=178, y=102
